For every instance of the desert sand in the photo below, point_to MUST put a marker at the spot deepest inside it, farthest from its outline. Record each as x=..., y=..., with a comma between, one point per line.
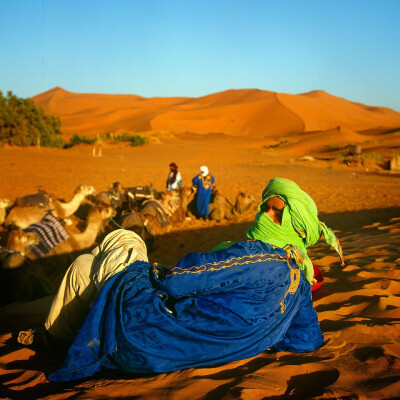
x=358, y=305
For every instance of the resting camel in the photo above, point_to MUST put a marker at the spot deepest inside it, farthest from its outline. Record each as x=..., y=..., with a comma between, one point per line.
x=156, y=215
x=138, y=223
x=4, y=204
x=21, y=217
x=97, y=218
x=112, y=196
x=245, y=203
x=170, y=208
x=221, y=208
x=186, y=195
x=19, y=280
x=21, y=241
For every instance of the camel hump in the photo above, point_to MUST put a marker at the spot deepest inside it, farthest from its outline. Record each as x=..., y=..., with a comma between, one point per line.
x=41, y=199
x=132, y=219
x=155, y=208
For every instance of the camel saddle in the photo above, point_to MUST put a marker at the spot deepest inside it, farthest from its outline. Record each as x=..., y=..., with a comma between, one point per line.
x=41, y=199
x=133, y=197
x=156, y=209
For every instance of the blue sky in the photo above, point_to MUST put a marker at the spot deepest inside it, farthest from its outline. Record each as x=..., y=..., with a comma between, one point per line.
x=165, y=48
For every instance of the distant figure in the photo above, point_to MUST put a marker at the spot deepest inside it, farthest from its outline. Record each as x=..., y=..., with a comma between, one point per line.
x=174, y=180
x=97, y=150
x=203, y=183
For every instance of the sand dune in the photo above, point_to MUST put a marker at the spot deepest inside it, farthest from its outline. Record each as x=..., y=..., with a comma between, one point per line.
x=320, y=110
x=245, y=112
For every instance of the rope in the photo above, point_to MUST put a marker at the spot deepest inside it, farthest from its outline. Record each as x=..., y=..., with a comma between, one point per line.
x=115, y=223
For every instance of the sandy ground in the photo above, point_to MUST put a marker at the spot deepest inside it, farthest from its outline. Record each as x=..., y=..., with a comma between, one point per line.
x=358, y=305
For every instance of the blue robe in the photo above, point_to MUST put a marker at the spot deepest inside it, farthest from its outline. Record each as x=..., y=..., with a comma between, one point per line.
x=203, y=195
x=210, y=308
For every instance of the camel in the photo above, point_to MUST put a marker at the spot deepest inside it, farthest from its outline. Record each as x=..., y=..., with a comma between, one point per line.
x=112, y=196
x=186, y=195
x=21, y=241
x=157, y=215
x=10, y=259
x=134, y=197
x=21, y=217
x=138, y=223
x=19, y=280
x=41, y=199
x=170, y=208
x=44, y=274
x=97, y=218
x=173, y=205
x=64, y=210
x=221, y=208
x=4, y=204
x=245, y=204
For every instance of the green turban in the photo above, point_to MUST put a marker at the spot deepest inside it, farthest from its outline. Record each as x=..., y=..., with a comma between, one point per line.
x=300, y=226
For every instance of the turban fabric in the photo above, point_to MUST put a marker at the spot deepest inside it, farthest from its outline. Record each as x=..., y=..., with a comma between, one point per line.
x=300, y=226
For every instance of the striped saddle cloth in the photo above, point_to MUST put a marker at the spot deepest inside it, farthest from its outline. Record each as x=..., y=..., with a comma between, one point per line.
x=51, y=233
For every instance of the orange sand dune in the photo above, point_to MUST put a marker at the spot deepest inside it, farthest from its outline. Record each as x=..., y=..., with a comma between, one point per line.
x=320, y=142
x=320, y=110
x=245, y=112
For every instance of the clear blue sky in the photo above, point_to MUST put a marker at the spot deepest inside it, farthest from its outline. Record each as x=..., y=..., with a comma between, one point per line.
x=349, y=48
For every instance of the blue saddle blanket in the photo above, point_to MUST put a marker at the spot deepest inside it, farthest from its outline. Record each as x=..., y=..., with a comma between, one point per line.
x=210, y=308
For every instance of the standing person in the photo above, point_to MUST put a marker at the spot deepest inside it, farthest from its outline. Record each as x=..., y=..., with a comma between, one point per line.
x=174, y=180
x=203, y=183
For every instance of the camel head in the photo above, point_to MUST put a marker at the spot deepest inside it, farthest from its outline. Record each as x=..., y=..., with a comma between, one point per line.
x=21, y=241
x=85, y=190
x=185, y=192
x=245, y=202
x=5, y=203
x=116, y=188
x=101, y=213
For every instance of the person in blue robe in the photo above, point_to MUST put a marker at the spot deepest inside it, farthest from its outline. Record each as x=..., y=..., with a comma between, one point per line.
x=203, y=182
x=232, y=303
